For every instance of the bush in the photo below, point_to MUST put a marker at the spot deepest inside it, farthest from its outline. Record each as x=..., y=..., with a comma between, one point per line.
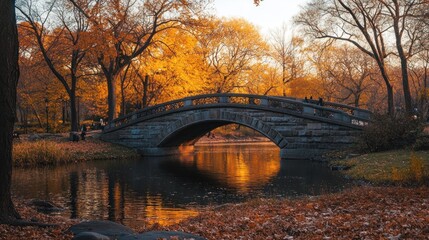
x=37, y=153
x=417, y=168
x=422, y=143
x=386, y=132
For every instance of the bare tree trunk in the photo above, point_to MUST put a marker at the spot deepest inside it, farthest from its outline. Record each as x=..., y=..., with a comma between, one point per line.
x=39, y=121
x=404, y=71
x=390, y=107
x=123, y=87
x=74, y=121
x=389, y=88
x=111, y=97
x=9, y=73
x=145, y=91
x=123, y=104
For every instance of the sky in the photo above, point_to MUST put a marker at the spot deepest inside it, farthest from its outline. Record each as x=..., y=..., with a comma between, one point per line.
x=269, y=15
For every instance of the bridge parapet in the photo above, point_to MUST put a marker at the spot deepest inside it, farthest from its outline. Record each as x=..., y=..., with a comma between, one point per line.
x=330, y=112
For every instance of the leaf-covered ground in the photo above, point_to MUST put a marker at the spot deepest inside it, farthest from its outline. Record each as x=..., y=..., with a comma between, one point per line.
x=358, y=213
x=29, y=214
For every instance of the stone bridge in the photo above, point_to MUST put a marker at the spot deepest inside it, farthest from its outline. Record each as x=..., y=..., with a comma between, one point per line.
x=300, y=128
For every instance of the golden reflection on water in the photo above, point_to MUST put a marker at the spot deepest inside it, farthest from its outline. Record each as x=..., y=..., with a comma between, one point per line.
x=90, y=191
x=237, y=166
x=113, y=200
x=156, y=213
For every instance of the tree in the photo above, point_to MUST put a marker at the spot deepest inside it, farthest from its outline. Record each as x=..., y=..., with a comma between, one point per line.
x=288, y=54
x=61, y=47
x=124, y=29
x=358, y=22
x=171, y=68
x=263, y=79
x=9, y=72
x=257, y=2
x=368, y=25
x=230, y=48
x=408, y=32
x=34, y=78
x=350, y=73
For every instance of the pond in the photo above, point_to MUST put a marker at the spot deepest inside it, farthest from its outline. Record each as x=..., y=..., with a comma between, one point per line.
x=165, y=190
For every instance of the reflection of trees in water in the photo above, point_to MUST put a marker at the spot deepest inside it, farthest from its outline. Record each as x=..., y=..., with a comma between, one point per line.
x=154, y=189
x=74, y=186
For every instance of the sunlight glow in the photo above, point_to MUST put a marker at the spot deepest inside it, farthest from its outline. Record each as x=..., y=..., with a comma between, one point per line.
x=269, y=15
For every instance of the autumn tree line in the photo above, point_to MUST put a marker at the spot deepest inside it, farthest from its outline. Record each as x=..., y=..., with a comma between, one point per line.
x=92, y=59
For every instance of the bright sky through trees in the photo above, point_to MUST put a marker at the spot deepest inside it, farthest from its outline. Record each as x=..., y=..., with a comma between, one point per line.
x=270, y=14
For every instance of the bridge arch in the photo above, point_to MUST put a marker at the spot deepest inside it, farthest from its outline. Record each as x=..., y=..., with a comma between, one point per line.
x=301, y=128
x=188, y=130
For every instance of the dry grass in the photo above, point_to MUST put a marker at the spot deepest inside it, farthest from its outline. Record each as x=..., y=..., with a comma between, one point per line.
x=38, y=153
x=59, y=151
x=390, y=166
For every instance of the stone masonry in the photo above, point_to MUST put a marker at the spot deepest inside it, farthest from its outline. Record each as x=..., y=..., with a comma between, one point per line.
x=298, y=137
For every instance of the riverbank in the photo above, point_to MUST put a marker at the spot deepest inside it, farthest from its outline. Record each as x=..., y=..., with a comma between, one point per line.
x=390, y=167
x=358, y=213
x=55, y=149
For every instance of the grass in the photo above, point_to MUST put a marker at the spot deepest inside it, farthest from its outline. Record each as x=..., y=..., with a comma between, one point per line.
x=390, y=166
x=60, y=151
x=38, y=153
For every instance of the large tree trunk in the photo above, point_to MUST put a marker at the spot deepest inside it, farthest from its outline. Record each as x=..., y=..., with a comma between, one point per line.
x=389, y=88
x=111, y=97
x=9, y=72
x=404, y=70
x=73, y=112
x=145, y=91
x=390, y=107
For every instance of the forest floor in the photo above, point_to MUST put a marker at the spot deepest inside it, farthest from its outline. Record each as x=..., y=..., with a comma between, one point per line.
x=359, y=213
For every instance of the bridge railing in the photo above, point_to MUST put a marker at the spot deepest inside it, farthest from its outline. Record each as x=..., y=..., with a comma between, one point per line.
x=329, y=111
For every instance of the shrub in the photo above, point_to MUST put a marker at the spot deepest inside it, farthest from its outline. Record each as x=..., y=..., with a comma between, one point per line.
x=397, y=175
x=37, y=153
x=386, y=132
x=422, y=143
x=417, y=167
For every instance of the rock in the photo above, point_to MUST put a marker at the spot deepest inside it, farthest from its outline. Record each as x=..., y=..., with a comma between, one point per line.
x=34, y=137
x=153, y=235
x=339, y=168
x=45, y=206
x=352, y=155
x=100, y=230
x=107, y=228
x=74, y=136
x=90, y=236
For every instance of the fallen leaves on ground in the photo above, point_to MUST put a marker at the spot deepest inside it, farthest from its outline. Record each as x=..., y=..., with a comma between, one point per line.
x=358, y=213
x=28, y=213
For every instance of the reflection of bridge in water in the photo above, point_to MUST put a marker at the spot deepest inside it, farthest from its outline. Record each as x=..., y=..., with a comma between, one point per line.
x=301, y=129
x=159, y=189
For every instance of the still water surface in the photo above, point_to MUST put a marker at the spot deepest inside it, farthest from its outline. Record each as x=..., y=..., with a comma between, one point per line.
x=165, y=190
